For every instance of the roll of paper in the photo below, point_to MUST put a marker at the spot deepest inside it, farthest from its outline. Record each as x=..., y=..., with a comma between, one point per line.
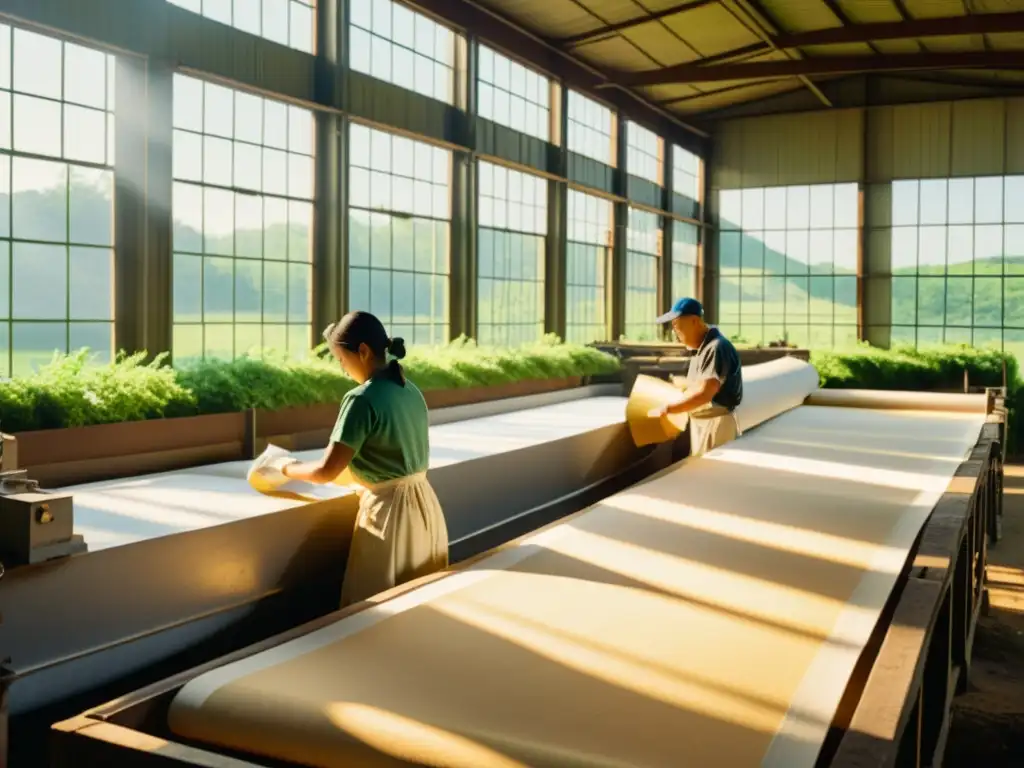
x=951, y=402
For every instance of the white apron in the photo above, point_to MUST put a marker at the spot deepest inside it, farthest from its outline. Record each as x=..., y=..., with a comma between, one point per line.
x=711, y=427
x=400, y=535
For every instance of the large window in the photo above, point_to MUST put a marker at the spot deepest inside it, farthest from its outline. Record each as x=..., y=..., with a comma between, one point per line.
x=591, y=129
x=394, y=43
x=288, y=22
x=513, y=210
x=56, y=187
x=644, y=153
x=686, y=173
x=684, y=259
x=957, y=261
x=400, y=208
x=243, y=219
x=643, y=251
x=788, y=264
x=589, y=246
x=512, y=95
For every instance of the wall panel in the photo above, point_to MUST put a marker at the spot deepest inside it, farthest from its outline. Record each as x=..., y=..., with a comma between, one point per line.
x=780, y=150
x=921, y=140
x=978, y=137
x=1014, y=135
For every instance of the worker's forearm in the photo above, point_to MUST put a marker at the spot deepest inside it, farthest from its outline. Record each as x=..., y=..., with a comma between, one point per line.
x=692, y=400
x=308, y=472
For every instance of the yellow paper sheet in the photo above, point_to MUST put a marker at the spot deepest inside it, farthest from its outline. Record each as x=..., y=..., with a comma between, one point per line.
x=650, y=393
x=714, y=612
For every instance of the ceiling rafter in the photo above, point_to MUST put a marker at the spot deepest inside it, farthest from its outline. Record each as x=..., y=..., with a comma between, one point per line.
x=827, y=65
x=941, y=26
x=846, y=21
x=613, y=29
x=752, y=9
x=904, y=14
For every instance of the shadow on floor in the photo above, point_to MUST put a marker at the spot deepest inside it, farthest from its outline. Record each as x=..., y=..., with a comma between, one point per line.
x=988, y=722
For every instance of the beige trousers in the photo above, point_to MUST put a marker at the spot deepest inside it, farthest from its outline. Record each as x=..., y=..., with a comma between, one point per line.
x=400, y=535
x=710, y=429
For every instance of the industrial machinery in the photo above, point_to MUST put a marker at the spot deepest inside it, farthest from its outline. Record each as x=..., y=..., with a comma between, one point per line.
x=723, y=604
x=35, y=525
x=188, y=565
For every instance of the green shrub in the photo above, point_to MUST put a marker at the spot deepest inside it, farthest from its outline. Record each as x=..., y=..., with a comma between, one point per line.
x=906, y=368
x=937, y=368
x=70, y=393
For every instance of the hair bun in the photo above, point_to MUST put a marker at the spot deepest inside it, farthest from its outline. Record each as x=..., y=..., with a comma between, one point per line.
x=396, y=348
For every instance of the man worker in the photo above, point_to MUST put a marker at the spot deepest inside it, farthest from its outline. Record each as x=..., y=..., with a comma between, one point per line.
x=714, y=381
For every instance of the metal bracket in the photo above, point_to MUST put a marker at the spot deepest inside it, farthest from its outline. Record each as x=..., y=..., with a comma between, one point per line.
x=17, y=481
x=6, y=673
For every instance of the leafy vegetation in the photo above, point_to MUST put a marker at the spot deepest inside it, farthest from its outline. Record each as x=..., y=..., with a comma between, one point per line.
x=934, y=368
x=906, y=368
x=69, y=392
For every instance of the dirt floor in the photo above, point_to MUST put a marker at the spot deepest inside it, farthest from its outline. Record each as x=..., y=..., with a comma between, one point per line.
x=988, y=721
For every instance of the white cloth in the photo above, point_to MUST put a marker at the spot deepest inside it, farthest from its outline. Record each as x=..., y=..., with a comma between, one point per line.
x=265, y=474
x=710, y=428
x=400, y=535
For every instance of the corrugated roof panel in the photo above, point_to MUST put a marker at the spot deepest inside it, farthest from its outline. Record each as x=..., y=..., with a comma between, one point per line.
x=897, y=46
x=613, y=11
x=799, y=15
x=928, y=9
x=954, y=44
x=669, y=91
x=660, y=44
x=989, y=76
x=769, y=56
x=559, y=18
x=847, y=49
x=616, y=53
x=662, y=5
x=866, y=11
x=1007, y=41
x=721, y=99
x=996, y=6
x=711, y=29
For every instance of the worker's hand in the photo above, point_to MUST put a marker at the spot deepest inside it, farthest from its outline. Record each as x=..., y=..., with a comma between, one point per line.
x=266, y=473
x=657, y=413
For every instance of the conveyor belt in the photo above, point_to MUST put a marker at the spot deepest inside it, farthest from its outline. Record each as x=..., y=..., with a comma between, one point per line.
x=120, y=512
x=206, y=557
x=710, y=616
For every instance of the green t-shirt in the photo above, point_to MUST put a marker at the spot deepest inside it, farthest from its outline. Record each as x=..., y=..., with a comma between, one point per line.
x=388, y=428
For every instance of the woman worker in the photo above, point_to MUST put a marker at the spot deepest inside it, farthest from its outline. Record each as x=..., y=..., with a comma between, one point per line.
x=381, y=435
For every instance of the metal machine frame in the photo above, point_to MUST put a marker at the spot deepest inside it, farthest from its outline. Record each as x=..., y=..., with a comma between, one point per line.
x=124, y=639
x=939, y=595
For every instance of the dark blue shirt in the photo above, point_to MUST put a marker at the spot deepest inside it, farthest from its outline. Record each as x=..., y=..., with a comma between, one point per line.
x=716, y=358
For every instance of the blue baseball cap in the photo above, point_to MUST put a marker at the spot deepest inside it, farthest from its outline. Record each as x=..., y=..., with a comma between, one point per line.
x=682, y=308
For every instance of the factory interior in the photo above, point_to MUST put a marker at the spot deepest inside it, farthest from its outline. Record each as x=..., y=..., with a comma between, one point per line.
x=520, y=190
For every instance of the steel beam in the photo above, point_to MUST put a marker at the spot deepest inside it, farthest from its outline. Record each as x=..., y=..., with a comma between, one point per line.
x=622, y=26
x=825, y=65
x=943, y=26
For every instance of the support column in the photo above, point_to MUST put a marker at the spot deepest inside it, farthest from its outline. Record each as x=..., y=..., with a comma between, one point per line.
x=462, y=284
x=707, y=250
x=555, y=294
x=143, y=193
x=874, y=262
x=665, y=297
x=330, y=246
x=620, y=211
